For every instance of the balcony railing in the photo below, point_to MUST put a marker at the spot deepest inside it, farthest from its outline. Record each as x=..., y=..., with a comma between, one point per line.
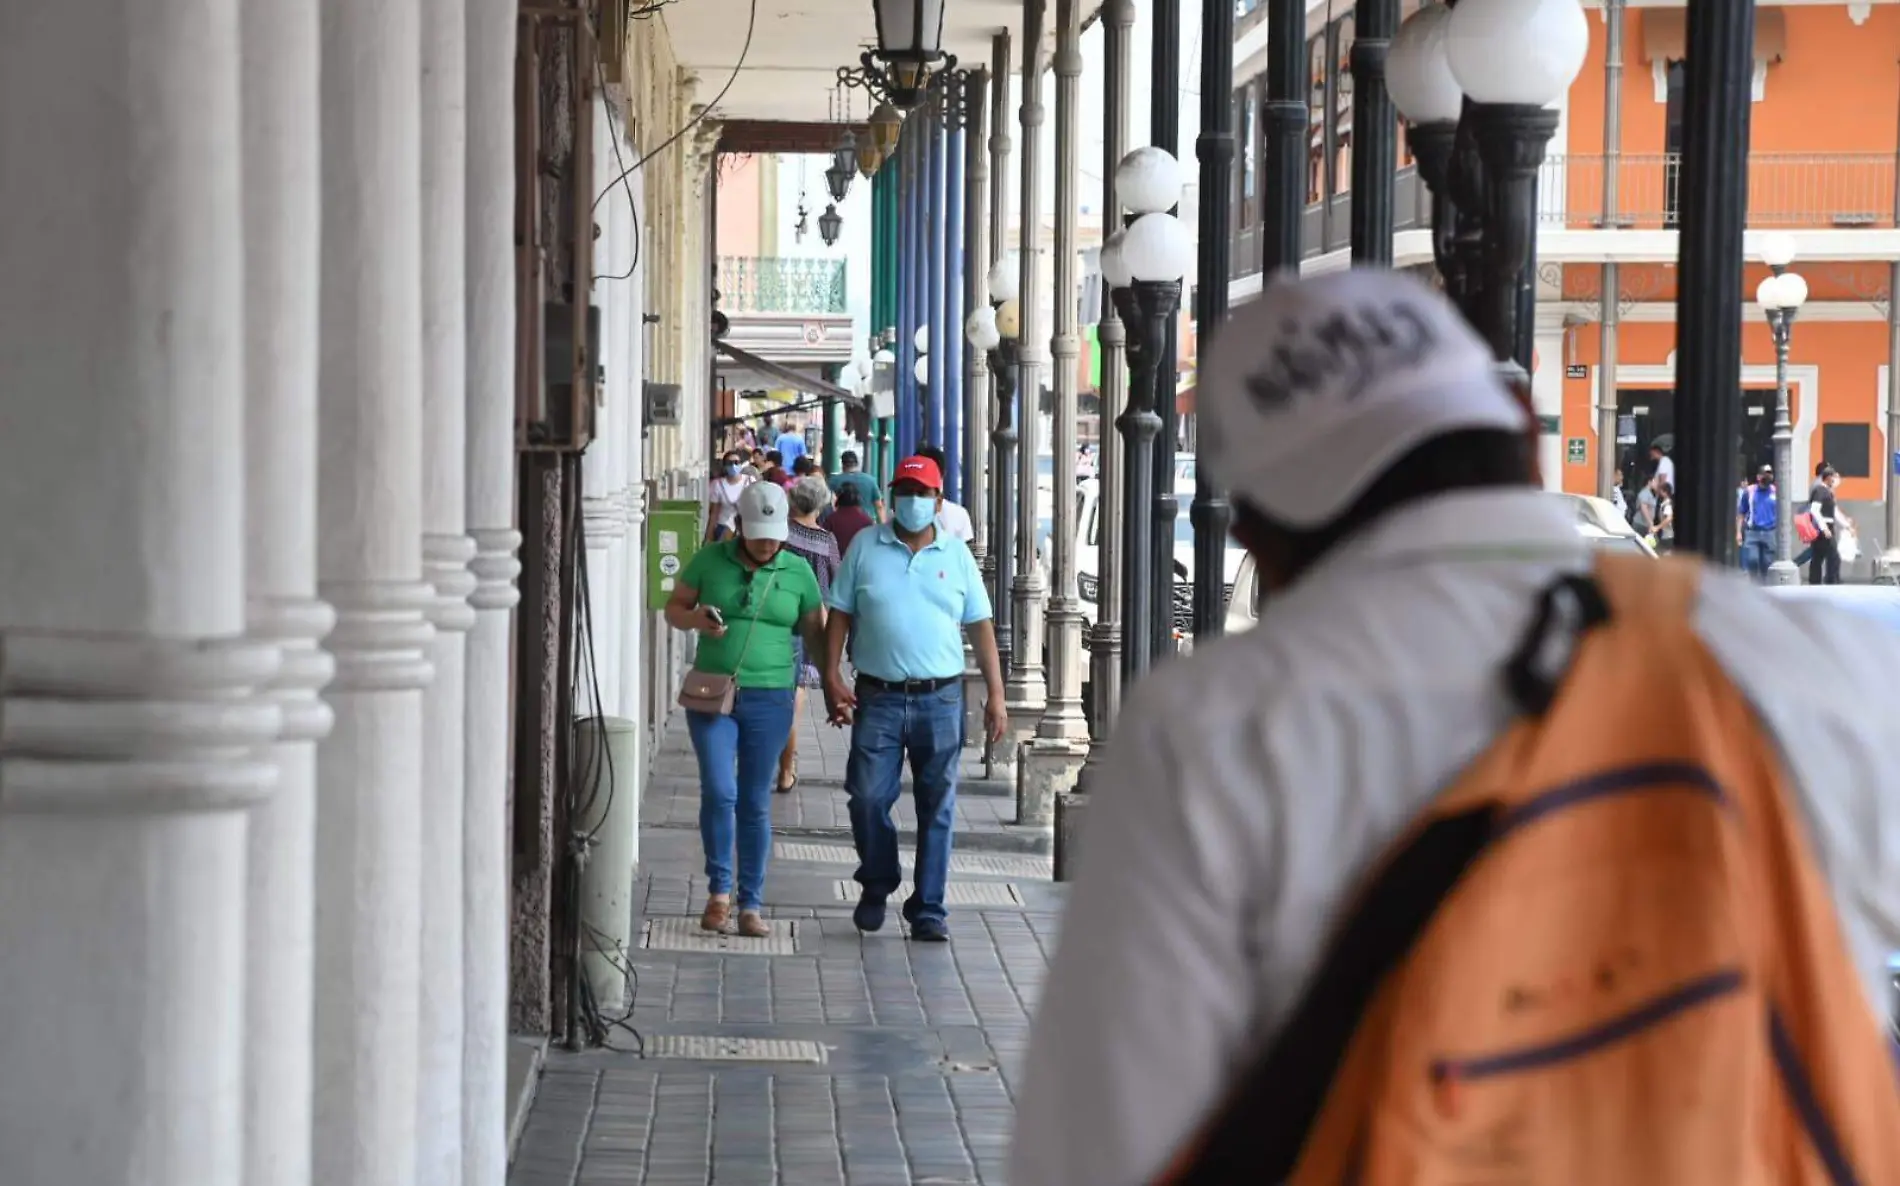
x=780, y=284
x=1817, y=190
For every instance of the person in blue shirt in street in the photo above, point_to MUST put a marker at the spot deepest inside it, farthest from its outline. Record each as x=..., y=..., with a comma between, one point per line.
x=790, y=445
x=904, y=596
x=1755, y=523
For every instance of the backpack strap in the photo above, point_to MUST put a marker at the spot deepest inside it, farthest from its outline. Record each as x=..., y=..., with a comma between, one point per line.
x=1260, y=1130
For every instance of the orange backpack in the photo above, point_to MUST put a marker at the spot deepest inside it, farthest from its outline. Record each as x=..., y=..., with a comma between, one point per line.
x=1604, y=958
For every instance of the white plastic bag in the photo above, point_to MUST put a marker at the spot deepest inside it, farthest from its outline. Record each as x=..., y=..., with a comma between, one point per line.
x=1850, y=545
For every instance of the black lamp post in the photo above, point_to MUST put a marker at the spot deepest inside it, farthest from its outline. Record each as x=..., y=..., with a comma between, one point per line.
x=995, y=329
x=1215, y=148
x=1781, y=296
x=1143, y=265
x=909, y=45
x=1474, y=83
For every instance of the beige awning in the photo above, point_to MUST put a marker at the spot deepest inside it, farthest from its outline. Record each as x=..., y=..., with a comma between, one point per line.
x=1666, y=34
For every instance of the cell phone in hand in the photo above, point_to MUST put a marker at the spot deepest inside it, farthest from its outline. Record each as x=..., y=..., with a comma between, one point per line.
x=718, y=618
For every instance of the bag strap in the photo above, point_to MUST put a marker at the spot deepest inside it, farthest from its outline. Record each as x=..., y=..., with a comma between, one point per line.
x=752, y=629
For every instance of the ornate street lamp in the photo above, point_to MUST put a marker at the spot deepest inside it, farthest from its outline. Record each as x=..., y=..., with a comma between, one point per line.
x=829, y=224
x=1143, y=265
x=909, y=45
x=884, y=129
x=844, y=165
x=1475, y=83
x=995, y=330
x=1781, y=296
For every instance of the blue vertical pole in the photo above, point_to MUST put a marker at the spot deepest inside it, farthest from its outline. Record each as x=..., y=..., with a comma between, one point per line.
x=906, y=385
x=934, y=244
x=953, y=313
x=920, y=272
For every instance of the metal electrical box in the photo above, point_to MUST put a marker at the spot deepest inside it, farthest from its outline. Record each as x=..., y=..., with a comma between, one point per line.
x=662, y=403
x=674, y=532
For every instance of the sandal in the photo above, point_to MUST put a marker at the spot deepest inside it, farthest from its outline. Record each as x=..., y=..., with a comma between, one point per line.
x=752, y=926
x=718, y=910
x=787, y=776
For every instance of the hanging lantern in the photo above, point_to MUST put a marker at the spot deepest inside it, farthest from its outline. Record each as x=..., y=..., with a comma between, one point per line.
x=843, y=167
x=886, y=127
x=869, y=158
x=909, y=43
x=829, y=225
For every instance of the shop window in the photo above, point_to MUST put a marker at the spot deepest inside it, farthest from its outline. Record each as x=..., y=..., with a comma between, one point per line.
x=1342, y=32
x=1246, y=141
x=1672, y=142
x=1848, y=448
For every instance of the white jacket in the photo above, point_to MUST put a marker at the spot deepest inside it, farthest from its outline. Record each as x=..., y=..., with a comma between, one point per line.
x=1249, y=786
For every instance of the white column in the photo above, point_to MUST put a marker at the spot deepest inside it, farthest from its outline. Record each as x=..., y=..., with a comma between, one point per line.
x=132, y=731
x=634, y=616
x=446, y=552
x=491, y=515
x=369, y=565
x=1547, y=393
x=281, y=261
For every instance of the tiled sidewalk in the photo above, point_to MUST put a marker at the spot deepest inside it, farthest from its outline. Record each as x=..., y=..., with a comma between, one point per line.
x=820, y=1057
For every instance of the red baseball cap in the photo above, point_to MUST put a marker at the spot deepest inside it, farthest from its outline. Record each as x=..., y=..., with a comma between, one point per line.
x=921, y=470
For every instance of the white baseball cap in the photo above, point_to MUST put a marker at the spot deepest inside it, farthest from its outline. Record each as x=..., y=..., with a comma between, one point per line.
x=1314, y=390
x=764, y=513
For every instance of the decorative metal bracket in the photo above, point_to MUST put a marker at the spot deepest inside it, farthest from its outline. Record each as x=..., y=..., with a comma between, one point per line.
x=887, y=83
x=953, y=98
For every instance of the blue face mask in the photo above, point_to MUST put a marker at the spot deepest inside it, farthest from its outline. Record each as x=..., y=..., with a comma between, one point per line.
x=915, y=511
x=732, y=469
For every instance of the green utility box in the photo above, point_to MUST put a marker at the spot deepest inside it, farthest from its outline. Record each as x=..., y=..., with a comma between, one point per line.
x=674, y=532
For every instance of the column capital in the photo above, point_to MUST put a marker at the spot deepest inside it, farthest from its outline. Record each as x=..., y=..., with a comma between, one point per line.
x=297, y=625
x=140, y=725
x=382, y=634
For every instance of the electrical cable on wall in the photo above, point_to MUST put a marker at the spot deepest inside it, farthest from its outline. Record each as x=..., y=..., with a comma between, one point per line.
x=752, y=22
x=625, y=179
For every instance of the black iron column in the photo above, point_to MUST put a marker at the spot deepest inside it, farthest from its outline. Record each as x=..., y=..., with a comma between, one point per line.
x=1714, y=207
x=1215, y=149
x=1285, y=119
x=1164, y=132
x=1138, y=426
x=1511, y=141
x=1375, y=132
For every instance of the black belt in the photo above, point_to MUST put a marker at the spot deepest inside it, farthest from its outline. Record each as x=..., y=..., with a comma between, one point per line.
x=908, y=687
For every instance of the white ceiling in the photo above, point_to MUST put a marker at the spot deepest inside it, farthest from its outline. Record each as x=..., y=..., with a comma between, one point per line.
x=797, y=46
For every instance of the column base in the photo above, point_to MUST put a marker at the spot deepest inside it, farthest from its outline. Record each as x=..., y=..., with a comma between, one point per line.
x=1047, y=770
x=1071, y=810
x=1783, y=573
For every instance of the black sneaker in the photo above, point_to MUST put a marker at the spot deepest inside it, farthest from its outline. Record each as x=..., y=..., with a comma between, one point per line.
x=930, y=930
x=869, y=916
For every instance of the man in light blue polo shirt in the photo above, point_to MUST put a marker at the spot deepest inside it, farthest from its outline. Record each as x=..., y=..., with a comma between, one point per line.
x=904, y=595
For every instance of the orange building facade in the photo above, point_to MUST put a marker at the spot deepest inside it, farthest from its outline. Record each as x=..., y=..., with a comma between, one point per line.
x=1825, y=132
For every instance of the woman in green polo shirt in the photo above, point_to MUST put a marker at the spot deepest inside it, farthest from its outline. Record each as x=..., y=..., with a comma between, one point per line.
x=745, y=596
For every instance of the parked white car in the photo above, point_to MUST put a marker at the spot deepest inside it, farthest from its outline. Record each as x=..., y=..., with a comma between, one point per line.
x=1597, y=521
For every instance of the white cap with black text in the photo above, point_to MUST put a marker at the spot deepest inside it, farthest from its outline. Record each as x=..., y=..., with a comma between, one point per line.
x=1313, y=390
x=764, y=513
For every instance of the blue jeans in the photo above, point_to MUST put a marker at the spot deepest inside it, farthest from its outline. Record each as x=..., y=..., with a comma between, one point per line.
x=738, y=760
x=1758, y=551
x=929, y=726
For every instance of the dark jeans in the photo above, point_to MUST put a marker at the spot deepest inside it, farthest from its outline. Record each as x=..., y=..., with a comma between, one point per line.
x=1758, y=551
x=1824, y=561
x=738, y=762
x=929, y=727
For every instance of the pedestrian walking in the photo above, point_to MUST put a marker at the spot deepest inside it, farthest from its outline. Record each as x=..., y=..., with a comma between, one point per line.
x=1756, y=520
x=847, y=518
x=905, y=595
x=950, y=516
x=851, y=476
x=790, y=445
x=819, y=548
x=1426, y=607
x=745, y=597
x=1824, y=557
x=722, y=499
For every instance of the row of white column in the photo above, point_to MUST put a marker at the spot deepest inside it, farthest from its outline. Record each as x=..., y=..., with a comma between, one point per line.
x=256, y=444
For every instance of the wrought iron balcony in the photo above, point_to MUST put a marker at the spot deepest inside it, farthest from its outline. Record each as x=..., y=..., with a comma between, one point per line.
x=1785, y=189
x=780, y=284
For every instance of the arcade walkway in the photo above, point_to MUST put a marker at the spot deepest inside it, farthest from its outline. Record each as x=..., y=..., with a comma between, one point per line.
x=819, y=1057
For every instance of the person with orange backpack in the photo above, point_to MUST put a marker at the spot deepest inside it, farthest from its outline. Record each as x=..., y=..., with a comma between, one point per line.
x=1481, y=860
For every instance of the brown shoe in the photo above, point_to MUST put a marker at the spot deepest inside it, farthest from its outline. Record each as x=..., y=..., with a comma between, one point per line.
x=718, y=910
x=752, y=926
